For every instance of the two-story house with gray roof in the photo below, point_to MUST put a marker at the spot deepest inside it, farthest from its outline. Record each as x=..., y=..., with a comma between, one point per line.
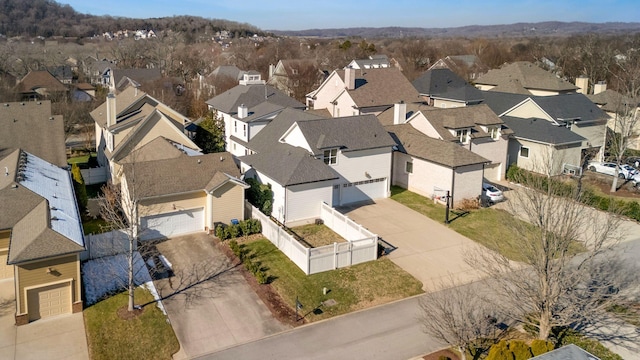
x=248, y=108
x=442, y=88
x=308, y=160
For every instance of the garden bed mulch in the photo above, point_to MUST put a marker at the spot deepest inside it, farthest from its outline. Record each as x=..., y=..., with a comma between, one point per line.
x=441, y=354
x=265, y=292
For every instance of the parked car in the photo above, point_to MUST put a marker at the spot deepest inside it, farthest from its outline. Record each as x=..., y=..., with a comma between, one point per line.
x=624, y=171
x=492, y=193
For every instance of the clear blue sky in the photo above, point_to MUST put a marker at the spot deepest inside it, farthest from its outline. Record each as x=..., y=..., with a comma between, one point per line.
x=307, y=14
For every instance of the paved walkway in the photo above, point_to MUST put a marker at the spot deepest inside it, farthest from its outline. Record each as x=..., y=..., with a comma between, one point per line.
x=59, y=337
x=214, y=308
x=426, y=249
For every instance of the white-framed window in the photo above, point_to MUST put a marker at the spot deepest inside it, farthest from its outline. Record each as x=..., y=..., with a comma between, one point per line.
x=463, y=135
x=524, y=152
x=408, y=167
x=494, y=132
x=331, y=156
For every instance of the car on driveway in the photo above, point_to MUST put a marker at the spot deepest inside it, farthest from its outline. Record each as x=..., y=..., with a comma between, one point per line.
x=624, y=171
x=491, y=193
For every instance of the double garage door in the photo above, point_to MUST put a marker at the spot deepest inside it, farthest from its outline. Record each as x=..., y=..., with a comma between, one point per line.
x=49, y=301
x=172, y=224
x=362, y=191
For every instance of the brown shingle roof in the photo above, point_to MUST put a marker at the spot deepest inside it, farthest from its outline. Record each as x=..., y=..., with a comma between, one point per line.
x=460, y=118
x=123, y=100
x=179, y=175
x=528, y=74
x=612, y=101
x=412, y=142
x=30, y=126
x=36, y=79
x=378, y=87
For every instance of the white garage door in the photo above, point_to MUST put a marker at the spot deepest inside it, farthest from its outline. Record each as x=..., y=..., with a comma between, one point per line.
x=172, y=224
x=363, y=191
x=6, y=271
x=49, y=301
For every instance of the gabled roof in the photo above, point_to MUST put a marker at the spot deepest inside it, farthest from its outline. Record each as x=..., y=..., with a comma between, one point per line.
x=612, y=101
x=445, y=84
x=528, y=74
x=289, y=65
x=570, y=106
x=381, y=87
x=500, y=102
x=39, y=206
x=412, y=142
x=30, y=126
x=37, y=79
x=349, y=133
x=156, y=149
x=230, y=71
x=124, y=101
x=62, y=72
x=512, y=86
x=289, y=165
x=139, y=75
x=251, y=95
x=373, y=61
x=543, y=131
x=180, y=174
x=270, y=134
x=567, y=352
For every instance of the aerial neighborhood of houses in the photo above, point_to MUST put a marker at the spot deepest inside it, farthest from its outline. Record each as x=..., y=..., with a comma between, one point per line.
x=363, y=129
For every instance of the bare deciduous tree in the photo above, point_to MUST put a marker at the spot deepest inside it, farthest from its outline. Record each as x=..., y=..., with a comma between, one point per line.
x=459, y=317
x=568, y=276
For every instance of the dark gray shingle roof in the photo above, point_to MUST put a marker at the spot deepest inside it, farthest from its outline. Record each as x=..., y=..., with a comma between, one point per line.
x=270, y=134
x=541, y=131
x=444, y=83
x=289, y=165
x=251, y=96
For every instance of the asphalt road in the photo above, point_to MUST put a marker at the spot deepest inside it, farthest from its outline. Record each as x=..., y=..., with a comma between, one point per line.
x=391, y=331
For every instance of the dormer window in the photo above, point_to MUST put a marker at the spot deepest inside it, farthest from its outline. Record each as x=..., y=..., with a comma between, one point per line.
x=331, y=156
x=463, y=135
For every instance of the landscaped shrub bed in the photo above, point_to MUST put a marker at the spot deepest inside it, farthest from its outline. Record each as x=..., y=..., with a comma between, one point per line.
x=243, y=228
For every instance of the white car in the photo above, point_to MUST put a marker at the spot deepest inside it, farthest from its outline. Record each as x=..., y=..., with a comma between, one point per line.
x=624, y=171
x=492, y=193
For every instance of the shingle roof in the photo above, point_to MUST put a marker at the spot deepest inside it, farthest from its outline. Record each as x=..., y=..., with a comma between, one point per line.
x=230, y=71
x=62, y=72
x=540, y=130
x=612, y=101
x=567, y=352
x=570, y=106
x=444, y=83
x=156, y=149
x=30, y=126
x=139, y=75
x=412, y=142
x=289, y=165
x=528, y=74
x=347, y=133
x=36, y=79
x=381, y=87
x=251, y=95
x=500, y=102
x=39, y=205
x=123, y=101
x=179, y=175
x=269, y=135
x=512, y=86
x=466, y=117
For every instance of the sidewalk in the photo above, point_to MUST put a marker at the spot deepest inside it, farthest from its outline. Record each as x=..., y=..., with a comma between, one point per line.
x=426, y=249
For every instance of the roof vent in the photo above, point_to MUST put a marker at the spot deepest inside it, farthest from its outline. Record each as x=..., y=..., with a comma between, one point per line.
x=54, y=218
x=54, y=208
x=51, y=118
x=199, y=161
x=6, y=105
x=221, y=159
x=14, y=186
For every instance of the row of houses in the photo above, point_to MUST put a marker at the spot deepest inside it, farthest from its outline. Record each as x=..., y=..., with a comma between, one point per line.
x=360, y=131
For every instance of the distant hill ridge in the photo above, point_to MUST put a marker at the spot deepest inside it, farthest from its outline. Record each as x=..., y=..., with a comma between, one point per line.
x=547, y=28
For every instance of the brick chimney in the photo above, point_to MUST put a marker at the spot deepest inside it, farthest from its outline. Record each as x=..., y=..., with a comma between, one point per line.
x=582, y=82
x=111, y=109
x=399, y=113
x=601, y=86
x=350, y=78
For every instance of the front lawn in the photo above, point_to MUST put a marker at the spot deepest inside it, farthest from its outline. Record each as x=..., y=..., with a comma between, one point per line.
x=353, y=288
x=147, y=336
x=484, y=226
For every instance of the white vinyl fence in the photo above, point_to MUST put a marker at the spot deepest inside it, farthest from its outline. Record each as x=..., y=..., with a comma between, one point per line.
x=94, y=175
x=105, y=244
x=362, y=245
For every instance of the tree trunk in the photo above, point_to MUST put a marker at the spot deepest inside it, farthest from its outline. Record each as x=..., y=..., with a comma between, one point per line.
x=614, y=184
x=131, y=283
x=545, y=325
x=463, y=352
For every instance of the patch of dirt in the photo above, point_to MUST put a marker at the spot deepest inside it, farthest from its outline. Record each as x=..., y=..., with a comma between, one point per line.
x=280, y=310
x=125, y=314
x=446, y=353
x=603, y=182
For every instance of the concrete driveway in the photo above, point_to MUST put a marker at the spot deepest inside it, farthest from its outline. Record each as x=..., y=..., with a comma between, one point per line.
x=209, y=303
x=429, y=251
x=59, y=337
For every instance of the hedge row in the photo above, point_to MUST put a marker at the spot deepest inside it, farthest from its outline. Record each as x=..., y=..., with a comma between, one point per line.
x=253, y=266
x=630, y=209
x=518, y=350
x=244, y=228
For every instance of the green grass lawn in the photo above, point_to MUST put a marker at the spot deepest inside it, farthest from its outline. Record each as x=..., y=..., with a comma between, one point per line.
x=95, y=226
x=353, y=288
x=484, y=226
x=82, y=159
x=317, y=235
x=148, y=336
